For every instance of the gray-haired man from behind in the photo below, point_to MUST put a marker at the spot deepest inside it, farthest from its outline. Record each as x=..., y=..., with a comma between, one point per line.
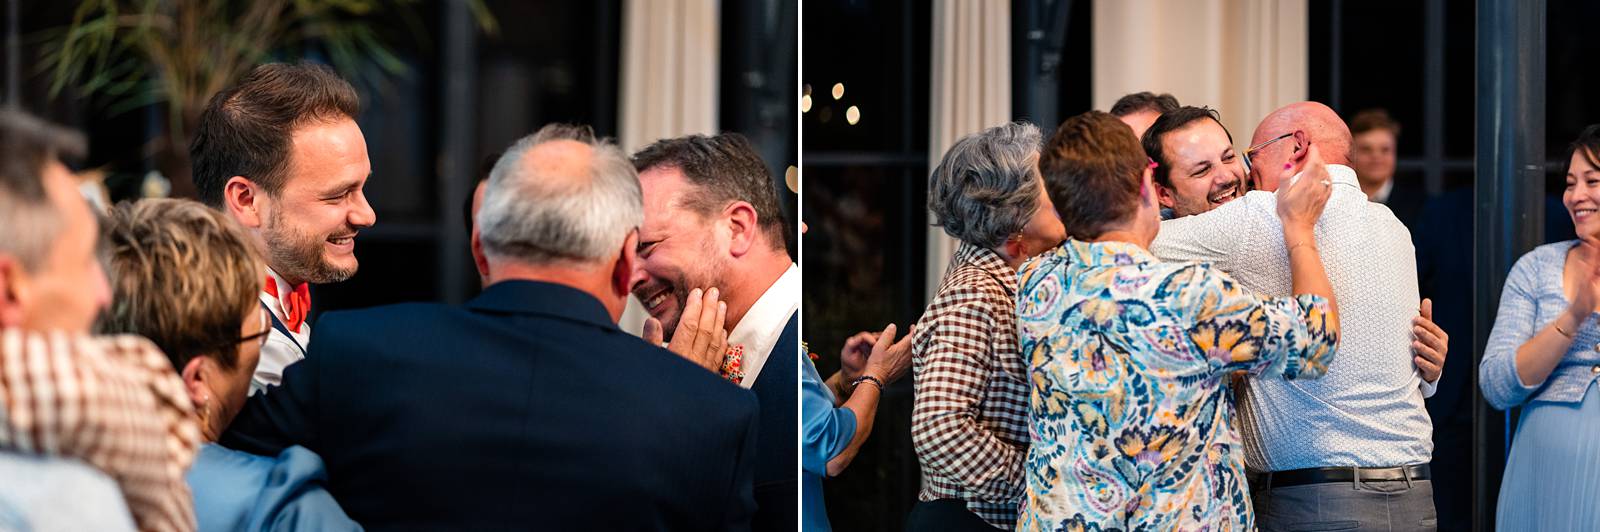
x=526, y=407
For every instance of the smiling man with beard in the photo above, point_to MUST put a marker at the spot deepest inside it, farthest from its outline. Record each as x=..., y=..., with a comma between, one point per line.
x=281, y=153
x=1196, y=166
x=712, y=221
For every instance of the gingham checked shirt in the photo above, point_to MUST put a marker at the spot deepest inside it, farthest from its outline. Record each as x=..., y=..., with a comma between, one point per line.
x=970, y=420
x=112, y=402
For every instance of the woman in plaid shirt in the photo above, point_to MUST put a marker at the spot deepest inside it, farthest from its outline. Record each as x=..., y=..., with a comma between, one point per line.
x=969, y=420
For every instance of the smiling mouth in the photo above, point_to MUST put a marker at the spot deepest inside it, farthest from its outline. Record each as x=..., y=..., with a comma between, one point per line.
x=653, y=304
x=1222, y=196
x=1585, y=211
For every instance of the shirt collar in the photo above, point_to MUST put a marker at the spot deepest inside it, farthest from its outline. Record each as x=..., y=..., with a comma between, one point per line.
x=284, y=288
x=989, y=262
x=1109, y=253
x=761, y=326
x=1344, y=175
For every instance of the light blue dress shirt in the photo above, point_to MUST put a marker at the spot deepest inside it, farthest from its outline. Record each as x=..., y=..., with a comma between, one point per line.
x=47, y=493
x=235, y=490
x=825, y=432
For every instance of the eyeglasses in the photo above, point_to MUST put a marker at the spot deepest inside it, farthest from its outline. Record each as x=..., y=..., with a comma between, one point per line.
x=1250, y=153
x=260, y=337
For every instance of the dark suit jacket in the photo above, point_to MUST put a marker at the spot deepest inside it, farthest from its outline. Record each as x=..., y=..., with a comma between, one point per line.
x=525, y=409
x=1406, y=200
x=777, y=460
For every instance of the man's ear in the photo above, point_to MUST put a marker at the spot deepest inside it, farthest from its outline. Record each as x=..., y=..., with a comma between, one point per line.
x=243, y=199
x=1163, y=195
x=1147, y=188
x=628, y=270
x=745, y=227
x=478, y=258
x=14, y=293
x=1302, y=143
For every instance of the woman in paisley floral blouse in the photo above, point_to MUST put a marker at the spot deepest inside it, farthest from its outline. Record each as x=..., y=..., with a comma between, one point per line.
x=1130, y=356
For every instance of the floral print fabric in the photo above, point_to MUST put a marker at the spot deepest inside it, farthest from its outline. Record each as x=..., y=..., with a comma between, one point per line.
x=1129, y=360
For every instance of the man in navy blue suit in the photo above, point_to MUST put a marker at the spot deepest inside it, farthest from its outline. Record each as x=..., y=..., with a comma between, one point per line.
x=711, y=219
x=527, y=407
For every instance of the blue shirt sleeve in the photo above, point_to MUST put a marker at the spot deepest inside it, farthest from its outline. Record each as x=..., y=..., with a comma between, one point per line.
x=234, y=490
x=299, y=500
x=825, y=430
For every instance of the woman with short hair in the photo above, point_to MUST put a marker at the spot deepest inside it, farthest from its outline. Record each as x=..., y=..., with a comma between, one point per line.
x=186, y=277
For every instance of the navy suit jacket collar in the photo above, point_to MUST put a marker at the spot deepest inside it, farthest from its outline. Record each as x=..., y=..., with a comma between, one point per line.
x=538, y=297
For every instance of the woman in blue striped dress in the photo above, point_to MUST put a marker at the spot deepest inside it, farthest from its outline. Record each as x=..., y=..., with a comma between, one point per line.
x=1544, y=356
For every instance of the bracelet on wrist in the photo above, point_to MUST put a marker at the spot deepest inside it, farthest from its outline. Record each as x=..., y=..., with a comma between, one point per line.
x=1312, y=243
x=868, y=379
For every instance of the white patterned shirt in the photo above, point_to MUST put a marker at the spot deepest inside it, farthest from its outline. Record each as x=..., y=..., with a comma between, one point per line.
x=1368, y=410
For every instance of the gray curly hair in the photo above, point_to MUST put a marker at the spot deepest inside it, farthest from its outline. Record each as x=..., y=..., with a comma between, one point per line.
x=986, y=187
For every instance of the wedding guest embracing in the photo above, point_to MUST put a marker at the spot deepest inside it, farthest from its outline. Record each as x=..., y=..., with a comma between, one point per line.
x=969, y=416
x=1544, y=356
x=1352, y=448
x=526, y=407
x=1130, y=355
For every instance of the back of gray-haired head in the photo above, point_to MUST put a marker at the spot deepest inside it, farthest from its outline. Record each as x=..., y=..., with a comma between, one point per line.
x=28, y=222
x=536, y=215
x=986, y=187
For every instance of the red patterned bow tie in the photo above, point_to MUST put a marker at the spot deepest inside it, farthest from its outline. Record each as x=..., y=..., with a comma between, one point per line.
x=295, y=307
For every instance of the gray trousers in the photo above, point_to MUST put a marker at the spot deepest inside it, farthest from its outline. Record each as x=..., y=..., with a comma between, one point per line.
x=1370, y=505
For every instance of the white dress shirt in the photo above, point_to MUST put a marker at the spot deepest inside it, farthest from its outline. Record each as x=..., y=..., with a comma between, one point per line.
x=759, y=329
x=1368, y=410
x=280, y=351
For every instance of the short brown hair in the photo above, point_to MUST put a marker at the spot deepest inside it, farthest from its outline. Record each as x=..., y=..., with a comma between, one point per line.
x=1144, y=101
x=245, y=129
x=1371, y=119
x=1091, y=167
x=724, y=168
x=183, y=276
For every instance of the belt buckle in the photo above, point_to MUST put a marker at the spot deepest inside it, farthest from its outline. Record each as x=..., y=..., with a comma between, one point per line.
x=1405, y=476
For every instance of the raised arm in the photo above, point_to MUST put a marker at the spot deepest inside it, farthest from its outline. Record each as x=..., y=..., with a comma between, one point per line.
x=887, y=363
x=1295, y=337
x=1300, y=204
x=1521, y=353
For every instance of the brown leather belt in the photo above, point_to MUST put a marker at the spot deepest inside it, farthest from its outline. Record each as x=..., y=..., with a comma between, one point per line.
x=1324, y=475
